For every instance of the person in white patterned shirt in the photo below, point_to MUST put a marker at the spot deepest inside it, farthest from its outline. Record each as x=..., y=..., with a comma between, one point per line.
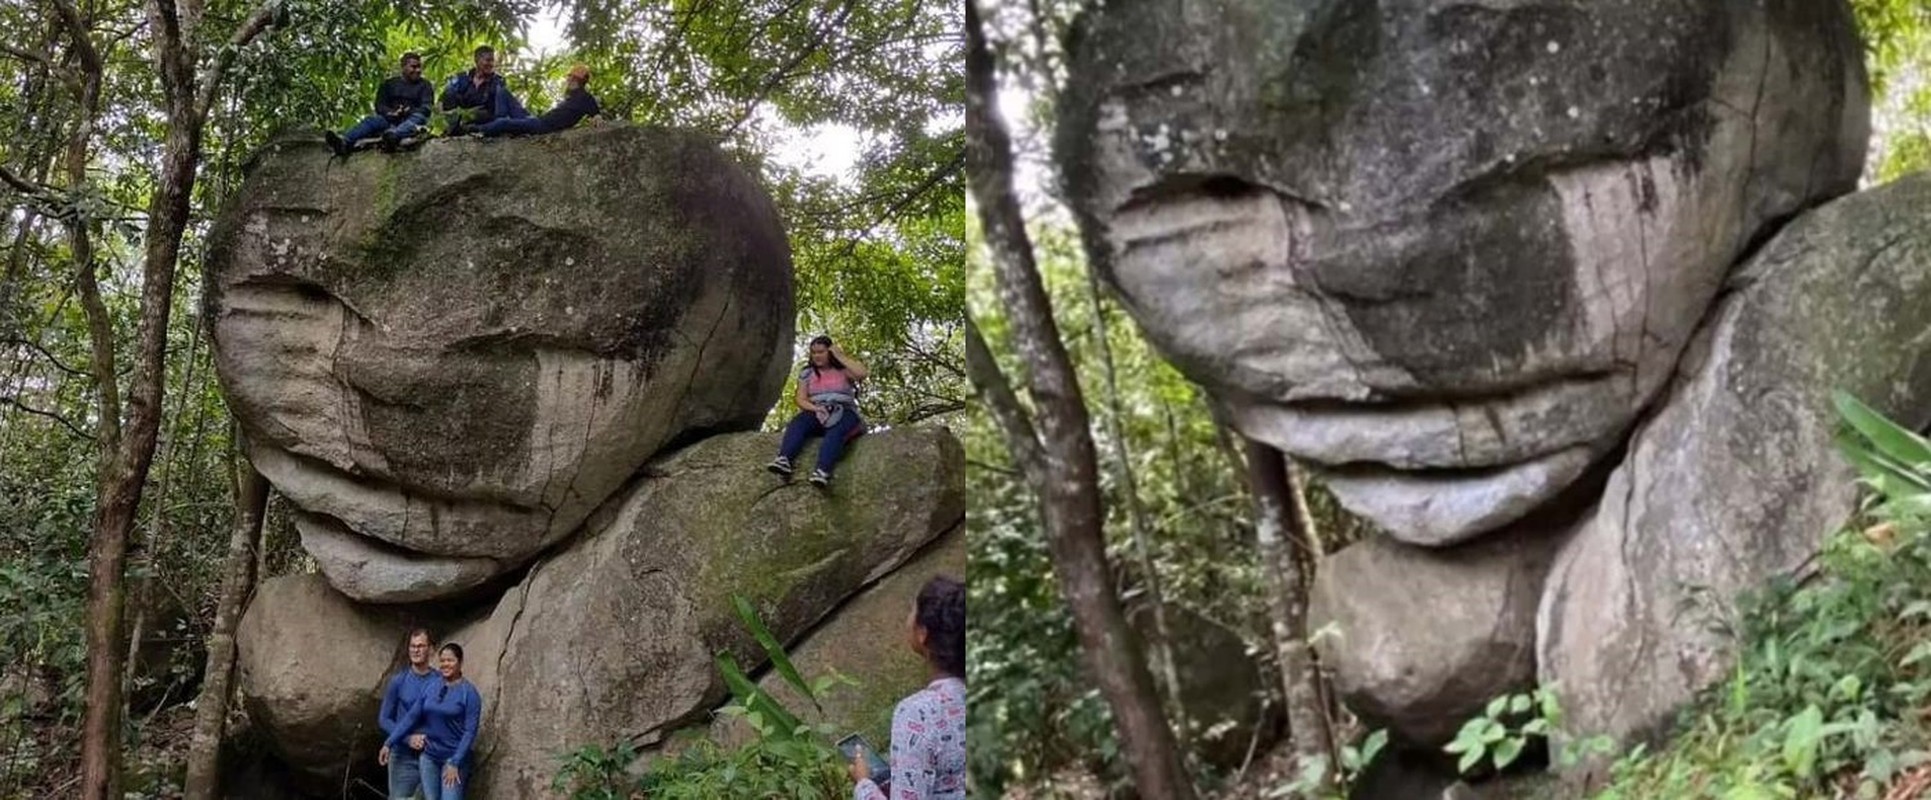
x=928, y=729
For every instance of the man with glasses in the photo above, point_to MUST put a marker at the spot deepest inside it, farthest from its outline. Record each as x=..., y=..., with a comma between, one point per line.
x=408, y=685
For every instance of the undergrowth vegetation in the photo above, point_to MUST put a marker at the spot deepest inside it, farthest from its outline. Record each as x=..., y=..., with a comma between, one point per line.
x=1829, y=694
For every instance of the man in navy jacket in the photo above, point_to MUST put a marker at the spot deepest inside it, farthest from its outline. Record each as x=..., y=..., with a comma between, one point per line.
x=401, y=107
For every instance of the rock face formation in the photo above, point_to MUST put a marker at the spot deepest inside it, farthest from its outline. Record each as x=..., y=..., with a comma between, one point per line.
x=447, y=360
x=498, y=381
x=1735, y=479
x=613, y=637
x=1454, y=254
x=1449, y=250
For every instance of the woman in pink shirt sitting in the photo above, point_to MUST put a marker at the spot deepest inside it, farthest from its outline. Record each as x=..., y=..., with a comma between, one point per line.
x=828, y=399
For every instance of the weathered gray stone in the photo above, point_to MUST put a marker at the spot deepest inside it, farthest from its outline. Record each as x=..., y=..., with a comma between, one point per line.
x=369, y=571
x=312, y=667
x=1736, y=478
x=1449, y=238
x=460, y=352
x=613, y=637
x=1434, y=510
x=1420, y=639
x=867, y=640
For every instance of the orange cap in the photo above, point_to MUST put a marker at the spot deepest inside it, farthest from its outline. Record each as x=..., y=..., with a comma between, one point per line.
x=581, y=73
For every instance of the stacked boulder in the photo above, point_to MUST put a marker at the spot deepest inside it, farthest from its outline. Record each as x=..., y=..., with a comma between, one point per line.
x=1522, y=279
x=501, y=385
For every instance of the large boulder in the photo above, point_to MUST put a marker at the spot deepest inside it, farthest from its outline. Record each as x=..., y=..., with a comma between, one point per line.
x=312, y=667
x=447, y=359
x=1736, y=479
x=612, y=638
x=1450, y=250
x=1420, y=639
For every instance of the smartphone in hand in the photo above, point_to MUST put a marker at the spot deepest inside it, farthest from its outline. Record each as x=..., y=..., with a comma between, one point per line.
x=881, y=772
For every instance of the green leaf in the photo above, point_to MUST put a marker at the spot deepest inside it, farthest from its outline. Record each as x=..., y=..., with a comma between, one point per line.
x=1802, y=734
x=779, y=660
x=1917, y=653
x=1507, y=751
x=1889, y=438
x=748, y=695
x=1469, y=759
x=1371, y=746
x=1519, y=704
x=1496, y=706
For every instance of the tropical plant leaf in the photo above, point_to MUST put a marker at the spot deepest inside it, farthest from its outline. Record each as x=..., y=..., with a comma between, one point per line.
x=779, y=659
x=1889, y=443
x=756, y=702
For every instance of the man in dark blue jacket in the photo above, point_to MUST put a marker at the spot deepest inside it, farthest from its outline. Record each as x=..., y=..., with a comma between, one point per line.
x=402, y=105
x=478, y=96
x=404, y=689
x=577, y=104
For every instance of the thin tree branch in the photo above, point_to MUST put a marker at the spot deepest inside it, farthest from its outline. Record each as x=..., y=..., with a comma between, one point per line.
x=77, y=28
x=926, y=412
x=84, y=435
x=1007, y=471
x=256, y=24
x=27, y=55
x=783, y=73
x=1000, y=400
x=20, y=184
x=55, y=360
x=931, y=182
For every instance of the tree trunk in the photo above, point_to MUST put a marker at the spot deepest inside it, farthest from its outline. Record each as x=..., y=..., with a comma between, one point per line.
x=1278, y=526
x=187, y=99
x=170, y=453
x=238, y=581
x=1059, y=458
x=115, y=504
x=1137, y=515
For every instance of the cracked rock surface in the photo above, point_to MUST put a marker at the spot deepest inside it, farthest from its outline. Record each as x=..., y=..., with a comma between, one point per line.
x=613, y=637
x=447, y=359
x=1470, y=257
x=1452, y=249
x=1736, y=479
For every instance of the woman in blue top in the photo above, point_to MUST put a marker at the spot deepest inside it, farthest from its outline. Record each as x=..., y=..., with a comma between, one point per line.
x=449, y=717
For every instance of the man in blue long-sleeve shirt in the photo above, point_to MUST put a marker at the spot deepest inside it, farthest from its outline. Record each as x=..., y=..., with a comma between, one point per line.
x=450, y=716
x=402, y=106
x=478, y=96
x=404, y=691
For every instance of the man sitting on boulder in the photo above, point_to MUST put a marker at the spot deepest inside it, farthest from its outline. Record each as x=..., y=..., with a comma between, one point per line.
x=577, y=104
x=478, y=96
x=401, y=107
